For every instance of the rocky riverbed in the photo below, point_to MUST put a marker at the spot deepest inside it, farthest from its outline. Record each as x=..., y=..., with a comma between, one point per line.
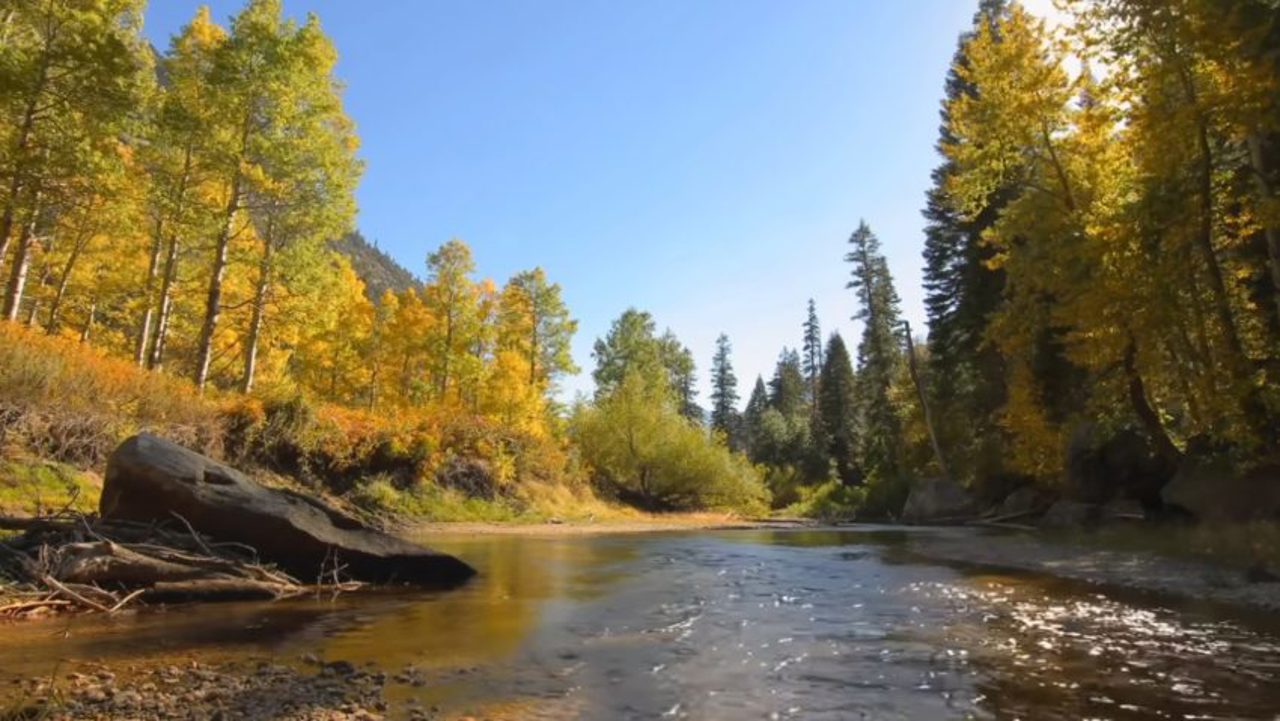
x=307, y=691
x=1133, y=570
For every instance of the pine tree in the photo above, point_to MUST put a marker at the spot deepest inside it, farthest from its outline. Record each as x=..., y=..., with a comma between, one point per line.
x=880, y=357
x=724, y=393
x=963, y=290
x=787, y=387
x=752, y=417
x=837, y=410
x=812, y=349
x=678, y=360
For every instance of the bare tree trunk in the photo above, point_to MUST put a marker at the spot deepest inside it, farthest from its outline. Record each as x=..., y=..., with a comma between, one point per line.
x=213, y=302
x=1267, y=195
x=145, y=352
x=259, y=308
x=1142, y=407
x=33, y=314
x=924, y=404
x=55, y=310
x=88, y=322
x=9, y=216
x=155, y=358
x=21, y=263
x=148, y=310
x=1204, y=234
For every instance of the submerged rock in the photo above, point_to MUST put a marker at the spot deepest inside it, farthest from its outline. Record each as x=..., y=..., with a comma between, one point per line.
x=151, y=479
x=937, y=499
x=1069, y=514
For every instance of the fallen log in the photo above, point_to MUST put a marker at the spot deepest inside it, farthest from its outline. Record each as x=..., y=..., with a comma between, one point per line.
x=1004, y=521
x=219, y=589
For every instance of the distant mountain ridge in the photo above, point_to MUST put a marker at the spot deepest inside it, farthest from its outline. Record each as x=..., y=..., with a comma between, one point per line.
x=379, y=271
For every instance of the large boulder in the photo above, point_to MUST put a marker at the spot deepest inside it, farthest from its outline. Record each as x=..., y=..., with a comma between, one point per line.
x=1100, y=467
x=938, y=499
x=150, y=479
x=1209, y=488
x=1023, y=502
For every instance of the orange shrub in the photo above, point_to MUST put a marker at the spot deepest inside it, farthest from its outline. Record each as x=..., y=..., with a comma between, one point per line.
x=71, y=402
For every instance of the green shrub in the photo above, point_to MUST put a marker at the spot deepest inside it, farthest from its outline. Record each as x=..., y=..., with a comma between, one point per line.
x=643, y=450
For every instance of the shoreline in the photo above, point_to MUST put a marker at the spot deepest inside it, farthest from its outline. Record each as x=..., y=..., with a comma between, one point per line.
x=425, y=530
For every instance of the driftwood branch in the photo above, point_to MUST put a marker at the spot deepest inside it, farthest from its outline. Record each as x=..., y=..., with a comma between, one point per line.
x=1004, y=521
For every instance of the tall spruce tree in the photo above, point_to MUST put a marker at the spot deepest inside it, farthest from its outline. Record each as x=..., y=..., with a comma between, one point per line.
x=724, y=393
x=752, y=417
x=963, y=291
x=880, y=355
x=837, y=410
x=812, y=350
x=787, y=387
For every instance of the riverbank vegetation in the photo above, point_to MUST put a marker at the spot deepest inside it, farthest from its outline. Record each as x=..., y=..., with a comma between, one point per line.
x=1102, y=266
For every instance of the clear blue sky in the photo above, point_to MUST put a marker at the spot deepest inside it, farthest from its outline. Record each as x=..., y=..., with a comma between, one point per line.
x=705, y=160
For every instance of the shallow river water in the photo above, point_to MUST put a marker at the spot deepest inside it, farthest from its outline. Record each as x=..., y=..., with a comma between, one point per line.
x=762, y=624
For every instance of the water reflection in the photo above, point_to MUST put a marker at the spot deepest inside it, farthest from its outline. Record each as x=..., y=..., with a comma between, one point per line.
x=813, y=624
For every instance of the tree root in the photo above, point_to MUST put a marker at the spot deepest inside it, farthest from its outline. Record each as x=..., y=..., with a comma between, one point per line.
x=69, y=562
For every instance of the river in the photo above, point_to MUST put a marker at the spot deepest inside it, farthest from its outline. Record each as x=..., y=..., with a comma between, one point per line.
x=753, y=624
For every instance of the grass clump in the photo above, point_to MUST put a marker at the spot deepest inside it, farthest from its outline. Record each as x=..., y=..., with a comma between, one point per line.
x=33, y=488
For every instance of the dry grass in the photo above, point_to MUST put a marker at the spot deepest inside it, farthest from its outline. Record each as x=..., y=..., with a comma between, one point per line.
x=65, y=406
x=67, y=402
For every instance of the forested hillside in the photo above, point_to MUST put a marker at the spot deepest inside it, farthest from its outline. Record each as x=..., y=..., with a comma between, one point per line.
x=1102, y=268
x=378, y=271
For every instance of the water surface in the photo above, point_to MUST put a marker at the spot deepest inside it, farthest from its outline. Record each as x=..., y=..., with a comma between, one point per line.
x=763, y=624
